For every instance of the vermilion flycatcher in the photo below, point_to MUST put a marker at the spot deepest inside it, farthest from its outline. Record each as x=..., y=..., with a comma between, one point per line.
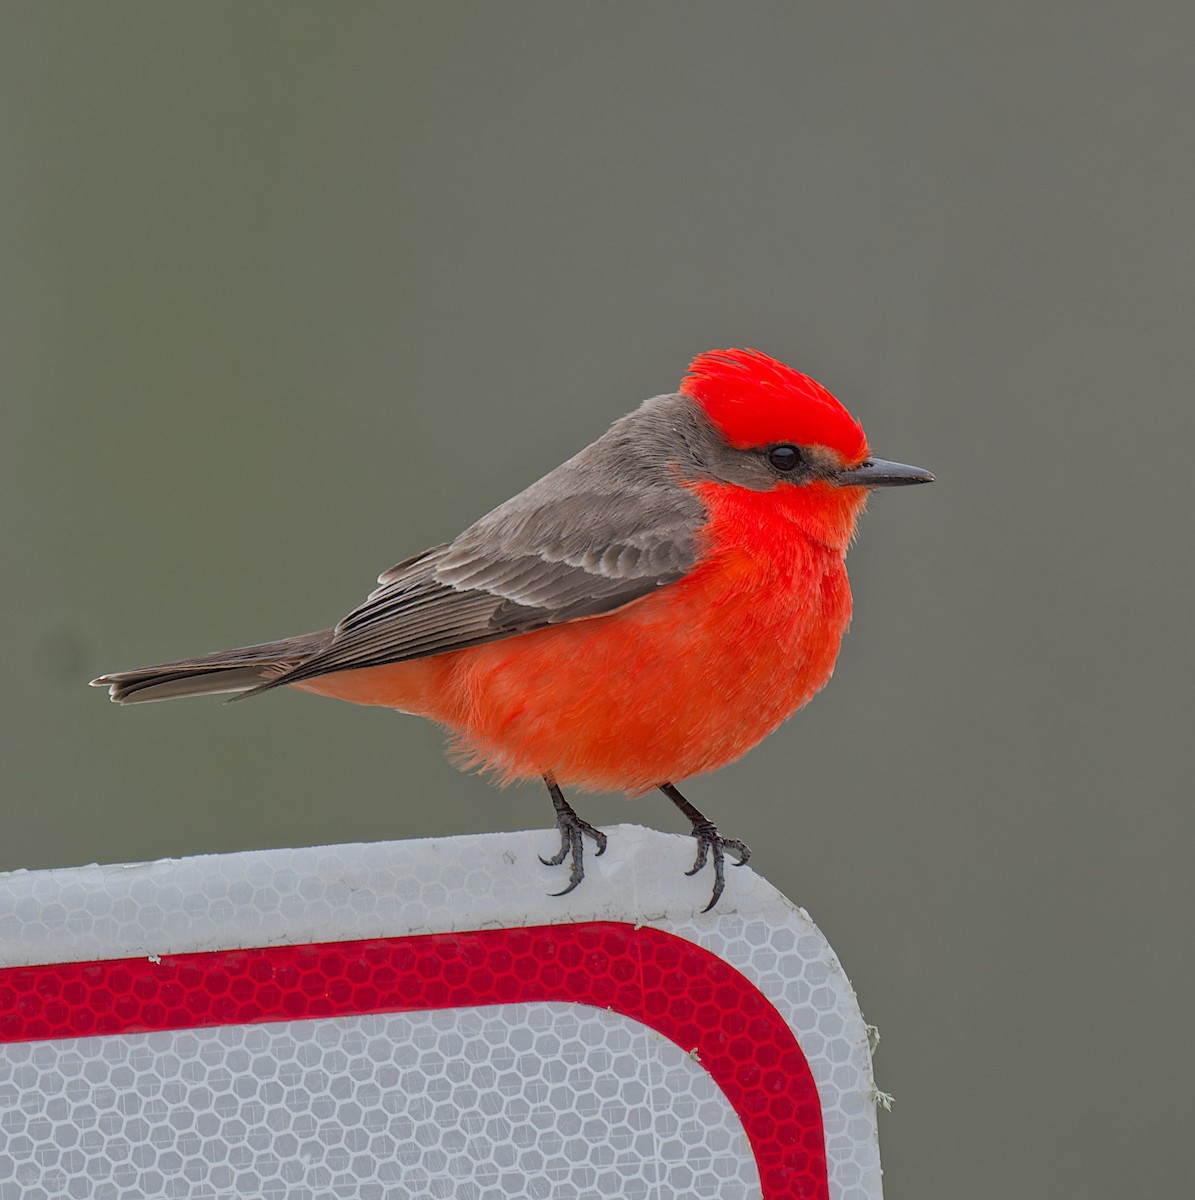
x=649, y=610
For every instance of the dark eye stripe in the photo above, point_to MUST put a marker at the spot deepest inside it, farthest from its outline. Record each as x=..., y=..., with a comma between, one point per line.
x=784, y=457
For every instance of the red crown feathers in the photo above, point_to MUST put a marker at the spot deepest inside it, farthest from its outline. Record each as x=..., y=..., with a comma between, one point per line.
x=756, y=401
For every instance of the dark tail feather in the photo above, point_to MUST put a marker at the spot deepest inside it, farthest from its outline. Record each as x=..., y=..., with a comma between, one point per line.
x=226, y=671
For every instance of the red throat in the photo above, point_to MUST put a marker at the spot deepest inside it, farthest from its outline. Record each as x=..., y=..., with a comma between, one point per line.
x=755, y=401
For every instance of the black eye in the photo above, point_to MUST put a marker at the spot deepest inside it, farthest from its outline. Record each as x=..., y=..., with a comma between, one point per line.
x=784, y=457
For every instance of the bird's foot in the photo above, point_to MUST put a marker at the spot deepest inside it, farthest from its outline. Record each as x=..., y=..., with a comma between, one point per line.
x=711, y=844
x=572, y=846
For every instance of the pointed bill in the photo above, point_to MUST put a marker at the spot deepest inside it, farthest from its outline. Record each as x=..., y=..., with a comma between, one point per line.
x=879, y=472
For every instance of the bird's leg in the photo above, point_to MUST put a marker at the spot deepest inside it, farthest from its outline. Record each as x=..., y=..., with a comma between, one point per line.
x=709, y=842
x=572, y=829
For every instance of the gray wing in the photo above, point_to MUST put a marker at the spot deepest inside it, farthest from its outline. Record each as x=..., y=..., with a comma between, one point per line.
x=588, y=538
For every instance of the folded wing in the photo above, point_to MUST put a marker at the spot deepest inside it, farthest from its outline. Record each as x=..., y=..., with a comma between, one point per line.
x=526, y=565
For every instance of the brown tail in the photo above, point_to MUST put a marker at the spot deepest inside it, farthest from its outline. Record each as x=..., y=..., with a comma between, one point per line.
x=225, y=671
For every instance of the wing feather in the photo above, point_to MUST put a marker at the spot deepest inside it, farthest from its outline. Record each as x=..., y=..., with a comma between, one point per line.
x=609, y=527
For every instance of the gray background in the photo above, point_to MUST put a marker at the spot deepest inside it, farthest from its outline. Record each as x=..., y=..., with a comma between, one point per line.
x=291, y=291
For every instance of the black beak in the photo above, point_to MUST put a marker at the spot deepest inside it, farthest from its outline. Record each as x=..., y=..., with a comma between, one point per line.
x=878, y=472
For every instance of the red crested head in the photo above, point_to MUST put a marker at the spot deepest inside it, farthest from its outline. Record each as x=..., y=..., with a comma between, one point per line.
x=753, y=400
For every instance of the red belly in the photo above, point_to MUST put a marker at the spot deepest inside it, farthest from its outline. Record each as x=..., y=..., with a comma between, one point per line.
x=673, y=685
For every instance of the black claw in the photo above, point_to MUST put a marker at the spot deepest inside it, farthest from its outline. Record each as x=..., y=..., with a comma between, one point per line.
x=710, y=843
x=705, y=835
x=572, y=833
x=740, y=848
x=575, y=875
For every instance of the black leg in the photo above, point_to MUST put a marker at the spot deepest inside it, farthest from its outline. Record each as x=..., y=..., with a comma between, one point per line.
x=709, y=842
x=572, y=828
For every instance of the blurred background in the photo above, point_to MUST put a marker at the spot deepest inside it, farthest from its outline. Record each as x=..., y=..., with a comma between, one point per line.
x=291, y=291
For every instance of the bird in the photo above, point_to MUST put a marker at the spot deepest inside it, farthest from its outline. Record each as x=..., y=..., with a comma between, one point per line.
x=646, y=612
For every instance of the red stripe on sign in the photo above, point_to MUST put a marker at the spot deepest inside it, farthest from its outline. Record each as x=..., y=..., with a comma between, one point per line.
x=681, y=990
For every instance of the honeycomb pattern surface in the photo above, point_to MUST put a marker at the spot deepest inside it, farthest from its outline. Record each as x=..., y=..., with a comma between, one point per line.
x=528, y=1100
x=655, y=1128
